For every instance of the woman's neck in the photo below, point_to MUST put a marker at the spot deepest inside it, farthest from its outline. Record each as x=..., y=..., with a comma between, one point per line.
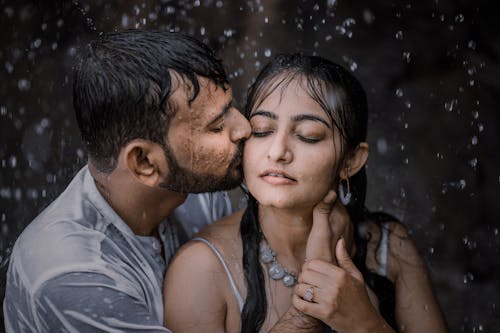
x=286, y=230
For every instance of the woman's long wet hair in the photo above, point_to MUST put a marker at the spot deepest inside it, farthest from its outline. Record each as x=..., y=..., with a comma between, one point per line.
x=343, y=99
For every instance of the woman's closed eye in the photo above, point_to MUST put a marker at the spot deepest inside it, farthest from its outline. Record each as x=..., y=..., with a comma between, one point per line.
x=260, y=134
x=309, y=139
x=261, y=131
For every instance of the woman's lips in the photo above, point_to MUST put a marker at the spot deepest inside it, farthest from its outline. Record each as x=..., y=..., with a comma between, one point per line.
x=275, y=177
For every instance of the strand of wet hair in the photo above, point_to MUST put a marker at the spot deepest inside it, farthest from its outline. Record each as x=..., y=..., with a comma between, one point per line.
x=255, y=308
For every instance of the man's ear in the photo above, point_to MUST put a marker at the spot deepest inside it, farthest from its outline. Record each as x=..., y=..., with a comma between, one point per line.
x=146, y=161
x=354, y=161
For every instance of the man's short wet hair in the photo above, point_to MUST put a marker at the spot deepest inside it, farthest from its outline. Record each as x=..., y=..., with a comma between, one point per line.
x=123, y=82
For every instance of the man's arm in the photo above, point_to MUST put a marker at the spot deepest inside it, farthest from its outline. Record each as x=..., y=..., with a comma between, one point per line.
x=88, y=302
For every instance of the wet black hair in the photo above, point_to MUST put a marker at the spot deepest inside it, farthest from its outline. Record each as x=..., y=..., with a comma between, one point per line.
x=122, y=84
x=343, y=99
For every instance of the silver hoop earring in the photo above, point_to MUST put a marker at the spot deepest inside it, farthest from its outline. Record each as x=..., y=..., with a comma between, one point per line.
x=344, y=197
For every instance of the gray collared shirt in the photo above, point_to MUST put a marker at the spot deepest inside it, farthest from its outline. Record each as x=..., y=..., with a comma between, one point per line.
x=79, y=268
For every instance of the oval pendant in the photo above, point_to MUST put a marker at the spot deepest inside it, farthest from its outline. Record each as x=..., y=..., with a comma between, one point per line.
x=289, y=280
x=276, y=271
x=266, y=255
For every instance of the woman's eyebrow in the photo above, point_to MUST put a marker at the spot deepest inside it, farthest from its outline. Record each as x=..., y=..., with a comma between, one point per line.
x=302, y=117
x=267, y=114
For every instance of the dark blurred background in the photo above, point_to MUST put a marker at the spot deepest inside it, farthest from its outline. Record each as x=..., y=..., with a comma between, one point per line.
x=431, y=70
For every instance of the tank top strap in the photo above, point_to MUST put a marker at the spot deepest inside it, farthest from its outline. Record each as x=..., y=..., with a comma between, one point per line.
x=228, y=272
x=383, y=249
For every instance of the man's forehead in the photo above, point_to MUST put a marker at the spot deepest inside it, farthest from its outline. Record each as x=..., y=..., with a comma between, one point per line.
x=183, y=88
x=208, y=104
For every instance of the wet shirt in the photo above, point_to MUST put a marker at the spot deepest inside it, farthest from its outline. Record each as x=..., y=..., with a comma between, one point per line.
x=79, y=268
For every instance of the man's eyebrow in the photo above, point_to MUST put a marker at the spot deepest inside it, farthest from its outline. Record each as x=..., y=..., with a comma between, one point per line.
x=302, y=117
x=220, y=115
x=263, y=113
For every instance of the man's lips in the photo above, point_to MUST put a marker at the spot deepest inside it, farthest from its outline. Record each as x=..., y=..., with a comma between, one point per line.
x=277, y=177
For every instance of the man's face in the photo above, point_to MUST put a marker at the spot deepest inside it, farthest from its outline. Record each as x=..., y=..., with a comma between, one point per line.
x=204, y=141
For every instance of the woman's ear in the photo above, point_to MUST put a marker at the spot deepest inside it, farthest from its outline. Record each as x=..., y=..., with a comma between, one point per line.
x=146, y=161
x=355, y=161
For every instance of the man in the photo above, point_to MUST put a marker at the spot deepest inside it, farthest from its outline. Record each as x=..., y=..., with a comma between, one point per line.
x=155, y=113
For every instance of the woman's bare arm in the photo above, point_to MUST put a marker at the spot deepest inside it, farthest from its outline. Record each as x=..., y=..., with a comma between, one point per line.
x=417, y=309
x=193, y=291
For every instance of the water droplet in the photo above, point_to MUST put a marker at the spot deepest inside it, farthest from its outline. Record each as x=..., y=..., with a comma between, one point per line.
x=408, y=104
x=352, y=64
x=9, y=12
x=474, y=140
x=399, y=35
x=459, y=18
x=431, y=250
x=468, y=278
x=382, y=146
x=471, y=71
x=407, y=56
x=219, y=4
x=331, y=3
x=475, y=114
x=473, y=162
x=12, y=161
x=316, y=7
x=202, y=31
x=23, y=84
x=266, y=19
x=37, y=43
x=125, y=20
x=267, y=53
x=340, y=30
x=368, y=16
x=348, y=22
x=449, y=106
x=480, y=127
x=196, y=3
x=60, y=23
x=328, y=38
x=9, y=67
x=472, y=45
x=229, y=32
x=399, y=92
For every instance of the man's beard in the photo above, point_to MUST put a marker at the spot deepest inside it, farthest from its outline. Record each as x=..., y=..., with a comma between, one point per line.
x=183, y=180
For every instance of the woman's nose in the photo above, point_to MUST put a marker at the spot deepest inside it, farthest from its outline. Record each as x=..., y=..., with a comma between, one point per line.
x=279, y=151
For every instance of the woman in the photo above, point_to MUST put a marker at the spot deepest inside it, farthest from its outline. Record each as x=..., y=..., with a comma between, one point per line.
x=308, y=120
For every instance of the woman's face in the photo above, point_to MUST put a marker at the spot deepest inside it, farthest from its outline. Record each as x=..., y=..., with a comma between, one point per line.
x=292, y=156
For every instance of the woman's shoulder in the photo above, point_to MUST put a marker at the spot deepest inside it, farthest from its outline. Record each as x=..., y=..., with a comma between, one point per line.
x=225, y=230
x=219, y=238
x=380, y=222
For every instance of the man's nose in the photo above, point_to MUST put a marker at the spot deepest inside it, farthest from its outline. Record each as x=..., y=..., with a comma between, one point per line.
x=240, y=127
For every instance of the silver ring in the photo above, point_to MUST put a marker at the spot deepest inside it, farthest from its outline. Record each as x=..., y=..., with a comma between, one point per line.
x=309, y=294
